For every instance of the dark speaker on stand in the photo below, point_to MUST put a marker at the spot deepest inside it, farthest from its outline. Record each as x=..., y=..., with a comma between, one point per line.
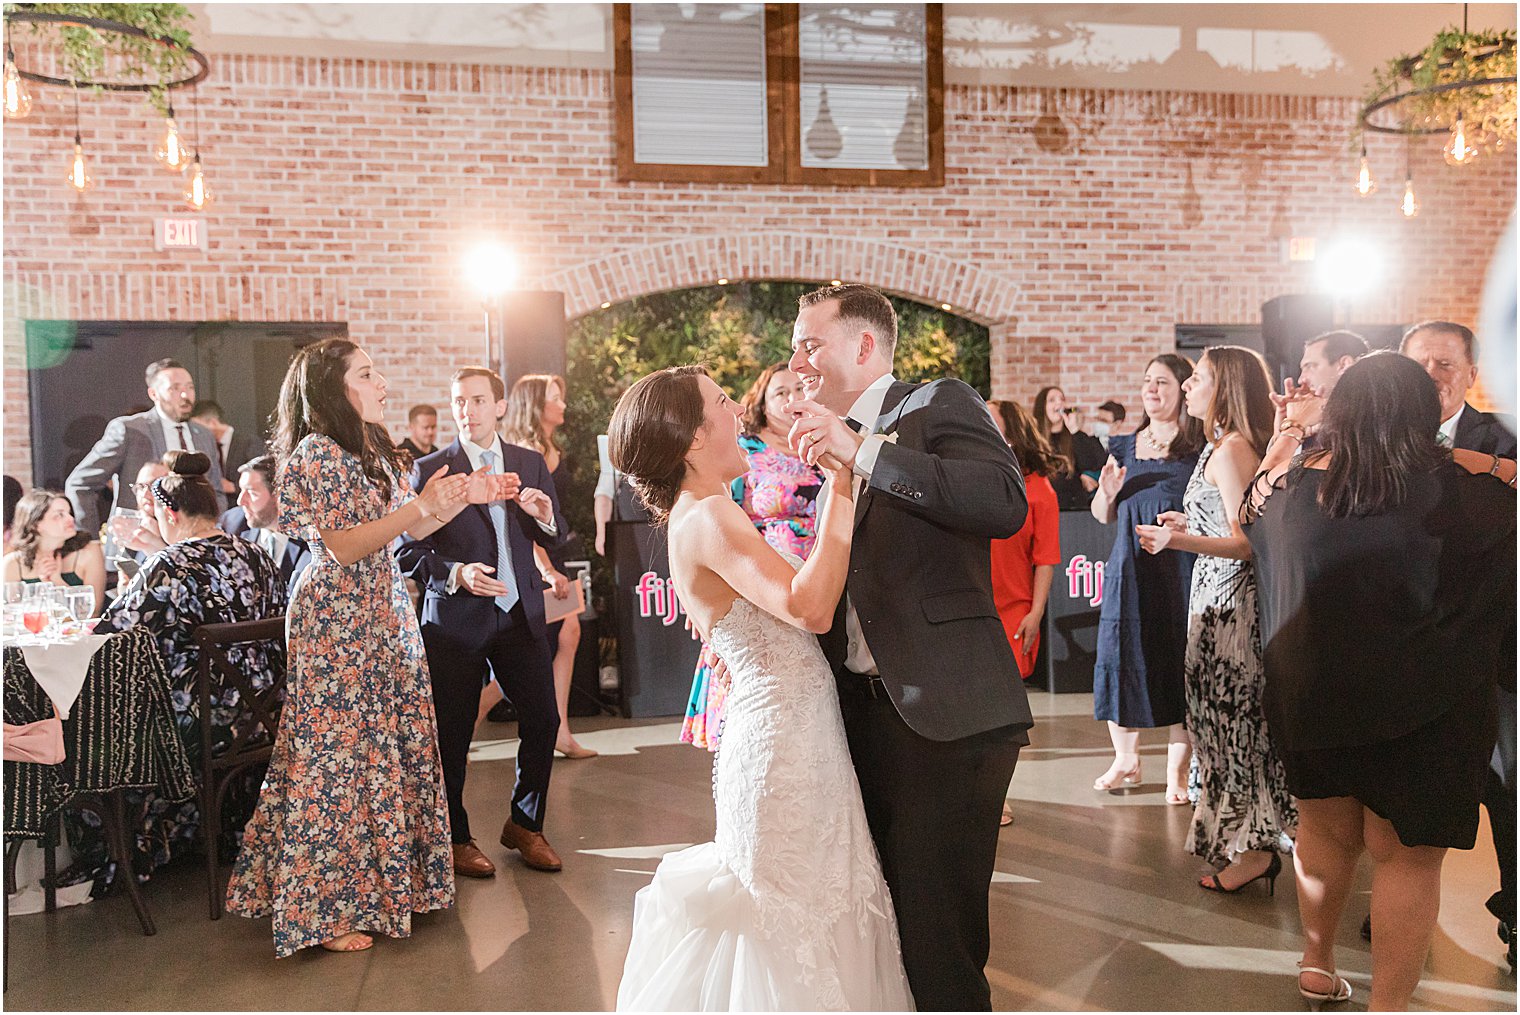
x=1287, y=322
x=531, y=335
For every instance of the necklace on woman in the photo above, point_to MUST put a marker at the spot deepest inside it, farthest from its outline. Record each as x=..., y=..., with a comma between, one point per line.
x=1156, y=444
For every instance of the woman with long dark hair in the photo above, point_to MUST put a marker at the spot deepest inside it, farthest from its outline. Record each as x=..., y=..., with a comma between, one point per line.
x=1142, y=624
x=535, y=412
x=48, y=547
x=1243, y=807
x=1080, y=455
x=351, y=833
x=1387, y=576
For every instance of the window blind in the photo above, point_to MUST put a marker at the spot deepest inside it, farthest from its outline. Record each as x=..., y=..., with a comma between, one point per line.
x=863, y=86
x=699, y=84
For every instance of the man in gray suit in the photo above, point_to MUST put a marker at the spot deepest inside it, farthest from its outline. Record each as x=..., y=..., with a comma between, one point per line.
x=933, y=707
x=131, y=441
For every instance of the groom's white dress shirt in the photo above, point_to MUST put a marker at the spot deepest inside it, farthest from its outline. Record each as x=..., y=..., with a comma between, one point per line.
x=865, y=411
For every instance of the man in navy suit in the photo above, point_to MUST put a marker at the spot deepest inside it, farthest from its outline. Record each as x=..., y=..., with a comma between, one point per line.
x=483, y=606
x=255, y=516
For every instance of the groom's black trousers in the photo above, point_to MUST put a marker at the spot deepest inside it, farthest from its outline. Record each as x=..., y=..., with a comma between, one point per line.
x=933, y=807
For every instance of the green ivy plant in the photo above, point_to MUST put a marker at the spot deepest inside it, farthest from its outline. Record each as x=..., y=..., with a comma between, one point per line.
x=85, y=51
x=1453, y=56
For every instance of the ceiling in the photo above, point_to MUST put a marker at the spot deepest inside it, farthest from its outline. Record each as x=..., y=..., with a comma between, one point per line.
x=1305, y=49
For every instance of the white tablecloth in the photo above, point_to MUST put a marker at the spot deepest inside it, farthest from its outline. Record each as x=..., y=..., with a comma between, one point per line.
x=61, y=667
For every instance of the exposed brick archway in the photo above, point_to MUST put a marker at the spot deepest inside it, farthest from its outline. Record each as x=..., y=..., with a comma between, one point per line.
x=974, y=293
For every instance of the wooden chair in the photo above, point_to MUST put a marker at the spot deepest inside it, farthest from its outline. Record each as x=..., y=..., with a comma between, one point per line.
x=253, y=734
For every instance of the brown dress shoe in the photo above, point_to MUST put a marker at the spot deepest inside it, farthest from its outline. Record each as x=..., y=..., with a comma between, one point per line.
x=535, y=849
x=470, y=862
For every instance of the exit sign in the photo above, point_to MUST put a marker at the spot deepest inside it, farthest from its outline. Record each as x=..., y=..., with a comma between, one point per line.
x=179, y=234
x=1301, y=248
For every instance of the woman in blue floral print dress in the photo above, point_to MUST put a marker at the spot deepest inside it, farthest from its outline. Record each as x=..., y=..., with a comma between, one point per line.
x=779, y=494
x=351, y=833
x=203, y=576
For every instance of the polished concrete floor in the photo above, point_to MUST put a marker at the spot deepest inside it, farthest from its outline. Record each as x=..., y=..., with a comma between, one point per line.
x=1094, y=906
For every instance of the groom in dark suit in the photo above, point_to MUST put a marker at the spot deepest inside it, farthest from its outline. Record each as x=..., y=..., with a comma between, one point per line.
x=483, y=613
x=933, y=707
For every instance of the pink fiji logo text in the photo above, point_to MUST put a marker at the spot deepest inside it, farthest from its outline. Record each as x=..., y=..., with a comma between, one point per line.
x=657, y=598
x=1084, y=579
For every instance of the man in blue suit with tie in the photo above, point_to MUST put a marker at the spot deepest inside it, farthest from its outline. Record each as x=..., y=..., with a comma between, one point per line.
x=483, y=606
x=254, y=518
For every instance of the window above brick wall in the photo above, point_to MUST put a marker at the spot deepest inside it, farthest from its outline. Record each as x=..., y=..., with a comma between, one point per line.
x=780, y=93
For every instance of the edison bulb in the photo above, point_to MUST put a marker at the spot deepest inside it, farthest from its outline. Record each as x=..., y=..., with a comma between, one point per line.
x=197, y=193
x=170, y=152
x=1410, y=206
x=79, y=177
x=18, y=101
x=1457, y=150
x=1365, y=184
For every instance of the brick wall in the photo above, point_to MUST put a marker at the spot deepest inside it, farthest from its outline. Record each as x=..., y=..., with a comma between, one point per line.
x=350, y=191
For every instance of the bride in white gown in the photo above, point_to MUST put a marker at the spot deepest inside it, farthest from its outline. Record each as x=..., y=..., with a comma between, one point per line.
x=786, y=910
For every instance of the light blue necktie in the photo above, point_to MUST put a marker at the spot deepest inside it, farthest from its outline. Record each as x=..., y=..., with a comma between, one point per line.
x=498, y=512
x=1442, y=439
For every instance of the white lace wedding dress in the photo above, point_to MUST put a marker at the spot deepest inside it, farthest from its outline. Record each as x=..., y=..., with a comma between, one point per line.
x=787, y=909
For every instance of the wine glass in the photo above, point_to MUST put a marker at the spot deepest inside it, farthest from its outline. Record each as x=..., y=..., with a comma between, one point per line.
x=11, y=595
x=80, y=606
x=119, y=527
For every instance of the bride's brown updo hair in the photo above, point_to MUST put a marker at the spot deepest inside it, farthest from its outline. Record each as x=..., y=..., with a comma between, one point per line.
x=652, y=429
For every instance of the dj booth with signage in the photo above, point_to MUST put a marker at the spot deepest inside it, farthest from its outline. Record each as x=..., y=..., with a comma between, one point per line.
x=657, y=654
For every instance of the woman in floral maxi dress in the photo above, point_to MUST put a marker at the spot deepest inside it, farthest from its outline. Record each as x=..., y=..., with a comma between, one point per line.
x=351, y=832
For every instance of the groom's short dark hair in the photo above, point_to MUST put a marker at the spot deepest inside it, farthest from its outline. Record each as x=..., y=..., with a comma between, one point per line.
x=862, y=304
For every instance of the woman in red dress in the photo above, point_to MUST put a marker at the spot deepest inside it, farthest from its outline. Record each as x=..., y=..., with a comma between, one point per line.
x=1024, y=564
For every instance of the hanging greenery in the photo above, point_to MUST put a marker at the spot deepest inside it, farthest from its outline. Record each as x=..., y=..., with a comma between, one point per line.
x=1453, y=57
x=86, y=53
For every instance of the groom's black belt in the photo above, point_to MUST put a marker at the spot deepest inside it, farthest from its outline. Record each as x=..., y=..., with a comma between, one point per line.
x=861, y=683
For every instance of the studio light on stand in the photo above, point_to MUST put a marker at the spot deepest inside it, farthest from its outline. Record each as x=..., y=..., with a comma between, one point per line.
x=492, y=272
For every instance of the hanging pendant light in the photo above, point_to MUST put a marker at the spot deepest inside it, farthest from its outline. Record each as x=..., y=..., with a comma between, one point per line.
x=1366, y=186
x=18, y=101
x=79, y=177
x=171, y=153
x=197, y=192
x=1457, y=150
x=1410, y=205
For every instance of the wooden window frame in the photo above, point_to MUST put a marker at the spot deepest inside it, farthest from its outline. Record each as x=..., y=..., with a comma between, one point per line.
x=783, y=113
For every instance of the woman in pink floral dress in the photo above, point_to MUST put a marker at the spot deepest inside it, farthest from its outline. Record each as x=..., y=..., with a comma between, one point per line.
x=351, y=833
x=778, y=493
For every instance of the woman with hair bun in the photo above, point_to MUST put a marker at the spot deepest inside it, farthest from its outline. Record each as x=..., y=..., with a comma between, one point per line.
x=787, y=909
x=201, y=576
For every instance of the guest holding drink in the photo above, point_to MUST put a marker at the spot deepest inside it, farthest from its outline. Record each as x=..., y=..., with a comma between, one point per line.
x=50, y=548
x=201, y=576
x=1142, y=625
x=351, y=833
x=1081, y=454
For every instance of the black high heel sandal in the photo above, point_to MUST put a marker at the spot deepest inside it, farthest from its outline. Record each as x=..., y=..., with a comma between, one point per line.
x=1274, y=868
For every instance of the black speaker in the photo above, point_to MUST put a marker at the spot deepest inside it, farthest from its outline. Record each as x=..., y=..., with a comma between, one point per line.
x=1287, y=322
x=532, y=335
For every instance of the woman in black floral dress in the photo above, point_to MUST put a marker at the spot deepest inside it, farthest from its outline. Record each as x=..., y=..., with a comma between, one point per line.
x=203, y=576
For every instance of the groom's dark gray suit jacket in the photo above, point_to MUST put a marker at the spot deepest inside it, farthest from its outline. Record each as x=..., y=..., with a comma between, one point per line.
x=920, y=571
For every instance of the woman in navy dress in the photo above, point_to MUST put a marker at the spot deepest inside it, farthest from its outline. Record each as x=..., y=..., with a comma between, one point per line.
x=1142, y=627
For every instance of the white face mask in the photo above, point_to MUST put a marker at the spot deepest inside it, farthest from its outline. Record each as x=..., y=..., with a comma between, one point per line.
x=1100, y=430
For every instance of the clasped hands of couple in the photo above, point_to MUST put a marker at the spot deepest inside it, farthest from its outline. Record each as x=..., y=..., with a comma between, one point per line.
x=445, y=495
x=1299, y=407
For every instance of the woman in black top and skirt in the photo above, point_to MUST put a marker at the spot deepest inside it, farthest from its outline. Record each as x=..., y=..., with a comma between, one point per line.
x=1387, y=583
x=535, y=412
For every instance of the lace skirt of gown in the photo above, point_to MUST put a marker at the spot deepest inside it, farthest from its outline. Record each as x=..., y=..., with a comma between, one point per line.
x=787, y=909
